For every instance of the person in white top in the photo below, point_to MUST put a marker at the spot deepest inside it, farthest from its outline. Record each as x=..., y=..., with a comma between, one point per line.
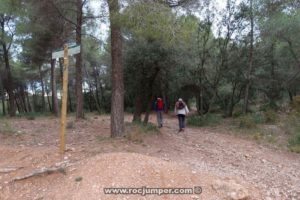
x=181, y=110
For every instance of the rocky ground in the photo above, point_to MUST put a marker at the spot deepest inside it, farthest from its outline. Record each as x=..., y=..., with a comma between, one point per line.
x=224, y=165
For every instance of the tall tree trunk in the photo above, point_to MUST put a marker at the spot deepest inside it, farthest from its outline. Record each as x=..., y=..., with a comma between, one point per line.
x=231, y=103
x=150, y=94
x=43, y=90
x=28, y=102
x=18, y=106
x=3, y=105
x=117, y=102
x=48, y=98
x=248, y=76
x=79, y=95
x=2, y=92
x=290, y=96
x=23, y=98
x=8, y=82
x=90, y=99
x=70, y=99
x=97, y=104
x=33, y=97
x=148, y=109
x=97, y=98
x=137, y=115
x=53, y=89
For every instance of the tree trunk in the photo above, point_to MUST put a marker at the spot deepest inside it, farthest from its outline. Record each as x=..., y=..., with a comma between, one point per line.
x=33, y=97
x=8, y=82
x=148, y=109
x=97, y=98
x=248, y=77
x=290, y=95
x=137, y=116
x=79, y=95
x=28, y=102
x=91, y=92
x=70, y=99
x=90, y=99
x=2, y=98
x=117, y=102
x=53, y=89
x=7, y=78
x=48, y=98
x=18, y=106
x=23, y=98
x=43, y=90
x=3, y=105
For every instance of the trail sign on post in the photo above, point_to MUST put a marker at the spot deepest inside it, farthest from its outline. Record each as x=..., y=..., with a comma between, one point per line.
x=75, y=49
x=65, y=54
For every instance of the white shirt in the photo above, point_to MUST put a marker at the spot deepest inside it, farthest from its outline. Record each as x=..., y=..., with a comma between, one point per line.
x=183, y=111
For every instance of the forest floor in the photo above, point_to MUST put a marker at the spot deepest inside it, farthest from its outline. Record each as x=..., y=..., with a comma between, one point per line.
x=225, y=165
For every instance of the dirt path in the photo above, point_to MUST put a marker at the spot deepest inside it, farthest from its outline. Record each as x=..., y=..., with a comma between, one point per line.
x=275, y=172
x=34, y=145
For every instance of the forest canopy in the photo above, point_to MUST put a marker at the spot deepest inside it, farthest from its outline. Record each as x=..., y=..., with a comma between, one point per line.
x=236, y=58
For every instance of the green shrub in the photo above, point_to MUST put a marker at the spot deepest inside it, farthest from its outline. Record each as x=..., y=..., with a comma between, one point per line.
x=290, y=123
x=7, y=128
x=258, y=136
x=205, y=120
x=265, y=136
x=296, y=103
x=30, y=116
x=294, y=143
x=136, y=131
x=270, y=116
x=258, y=117
x=295, y=149
x=295, y=140
x=145, y=127
x=237, y=112
x=247, y=121
x=149, y=127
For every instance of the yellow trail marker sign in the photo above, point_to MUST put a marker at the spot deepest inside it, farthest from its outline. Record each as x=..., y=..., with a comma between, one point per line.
x=66, y=52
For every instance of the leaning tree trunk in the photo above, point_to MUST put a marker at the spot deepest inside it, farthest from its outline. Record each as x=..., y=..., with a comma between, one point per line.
x=117, y=102
x=79, y=95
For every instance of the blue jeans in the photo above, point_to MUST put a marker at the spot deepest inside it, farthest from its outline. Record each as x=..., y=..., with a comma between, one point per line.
x=181, y=119
x=159, y=118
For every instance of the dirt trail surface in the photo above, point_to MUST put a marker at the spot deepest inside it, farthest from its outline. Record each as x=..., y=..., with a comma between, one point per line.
x=226, y=167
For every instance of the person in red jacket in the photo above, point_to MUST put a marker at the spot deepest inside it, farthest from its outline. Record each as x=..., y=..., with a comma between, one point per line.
x=159, y=107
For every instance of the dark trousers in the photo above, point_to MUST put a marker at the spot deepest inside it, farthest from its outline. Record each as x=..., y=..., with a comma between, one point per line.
x=181, y=119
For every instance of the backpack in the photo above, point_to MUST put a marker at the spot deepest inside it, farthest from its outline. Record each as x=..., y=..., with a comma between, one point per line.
x=180, y=105
x=160, y=105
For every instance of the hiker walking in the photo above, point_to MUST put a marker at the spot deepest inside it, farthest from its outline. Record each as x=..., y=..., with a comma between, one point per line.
x=159, y=107
x=181, y=110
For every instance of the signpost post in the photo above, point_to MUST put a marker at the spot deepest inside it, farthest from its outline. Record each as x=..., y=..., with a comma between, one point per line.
x=65, y=54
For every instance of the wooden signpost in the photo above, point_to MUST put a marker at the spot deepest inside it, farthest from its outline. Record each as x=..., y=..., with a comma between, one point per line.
x=65, y=53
